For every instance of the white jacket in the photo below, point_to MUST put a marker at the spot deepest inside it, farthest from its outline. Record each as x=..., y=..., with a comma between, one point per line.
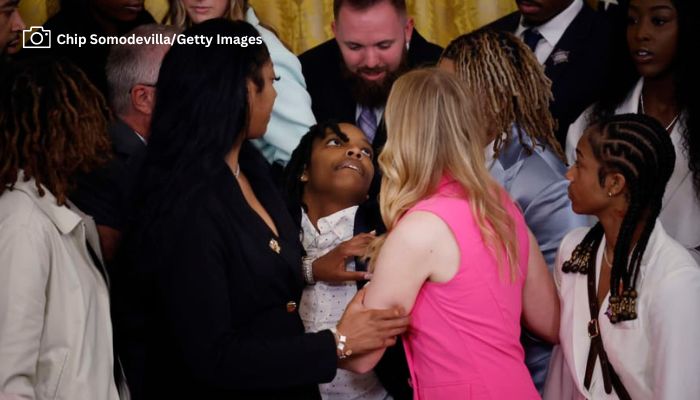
x=680, y=213
x=656, y=355
x=55, y=326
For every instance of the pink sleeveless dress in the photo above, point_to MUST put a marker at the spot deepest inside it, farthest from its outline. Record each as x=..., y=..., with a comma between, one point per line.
x=463, y=340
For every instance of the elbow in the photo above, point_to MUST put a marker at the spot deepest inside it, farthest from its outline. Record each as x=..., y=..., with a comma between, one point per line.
x=552, y=336
x=363, y=368
x=544, y=327
x=360, y=365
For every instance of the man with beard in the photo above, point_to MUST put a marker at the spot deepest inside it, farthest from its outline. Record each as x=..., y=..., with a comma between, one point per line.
x=349, y=77
x=11, y=26
x=573, y=42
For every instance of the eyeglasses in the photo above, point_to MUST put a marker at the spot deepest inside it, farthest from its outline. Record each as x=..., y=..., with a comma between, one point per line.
x=142, y=84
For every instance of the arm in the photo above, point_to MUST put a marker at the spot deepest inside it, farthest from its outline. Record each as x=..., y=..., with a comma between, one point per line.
x=421, y=247
x=24, y=273
x=675, y=329
x=540, y=298
x=193, y=287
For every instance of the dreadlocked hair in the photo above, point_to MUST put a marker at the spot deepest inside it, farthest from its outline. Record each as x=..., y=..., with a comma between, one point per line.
x=640, y=149
x=512, y=86
x=301, y=158
x=53, y=124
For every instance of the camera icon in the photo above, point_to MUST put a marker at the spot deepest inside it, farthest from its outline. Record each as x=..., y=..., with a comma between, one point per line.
x=36, y=37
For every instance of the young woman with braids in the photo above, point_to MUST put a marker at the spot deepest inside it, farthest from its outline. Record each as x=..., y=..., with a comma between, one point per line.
x=629, y=292
x=55, y=327
x=657, y=76
x=522, y=153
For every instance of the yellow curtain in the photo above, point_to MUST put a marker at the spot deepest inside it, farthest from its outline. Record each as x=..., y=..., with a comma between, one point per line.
x=302, y=24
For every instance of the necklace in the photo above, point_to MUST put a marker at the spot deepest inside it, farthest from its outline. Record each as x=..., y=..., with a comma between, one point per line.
x=237, y=171
x=605, y=257
x=669, y=126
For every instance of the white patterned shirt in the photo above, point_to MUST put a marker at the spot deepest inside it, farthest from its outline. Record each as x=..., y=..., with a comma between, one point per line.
x=323, y=304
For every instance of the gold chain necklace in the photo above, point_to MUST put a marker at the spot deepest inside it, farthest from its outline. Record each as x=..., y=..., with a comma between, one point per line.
x=669, y=126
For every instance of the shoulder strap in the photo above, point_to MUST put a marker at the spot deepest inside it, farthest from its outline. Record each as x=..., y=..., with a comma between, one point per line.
x=597, y=350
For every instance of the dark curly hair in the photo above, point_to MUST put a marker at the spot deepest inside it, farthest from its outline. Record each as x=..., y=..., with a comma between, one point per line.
x=53, y=124
x=686, y=77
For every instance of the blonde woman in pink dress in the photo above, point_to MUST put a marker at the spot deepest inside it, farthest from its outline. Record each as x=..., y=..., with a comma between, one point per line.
x=457, y=254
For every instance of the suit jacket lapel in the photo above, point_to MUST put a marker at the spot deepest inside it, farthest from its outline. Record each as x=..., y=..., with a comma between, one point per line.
x=271, y=200
x=573, y=39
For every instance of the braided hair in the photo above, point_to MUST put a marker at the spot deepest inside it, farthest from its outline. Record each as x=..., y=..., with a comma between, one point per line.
x=639, y=148
x=511, y=83
x=301, y=157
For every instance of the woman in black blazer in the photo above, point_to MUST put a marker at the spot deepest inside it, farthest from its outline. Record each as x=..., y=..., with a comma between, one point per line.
x=206, y=298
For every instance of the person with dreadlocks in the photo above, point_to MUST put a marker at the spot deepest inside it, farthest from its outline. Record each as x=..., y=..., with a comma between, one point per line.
x=55, y=326
x=327, y=181
x=628, y=290
x=522, y=153
x=657, y=75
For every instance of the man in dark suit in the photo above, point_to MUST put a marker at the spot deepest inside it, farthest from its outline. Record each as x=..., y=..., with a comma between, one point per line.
x=349, y=77
x=107, y=193
x=573, y=42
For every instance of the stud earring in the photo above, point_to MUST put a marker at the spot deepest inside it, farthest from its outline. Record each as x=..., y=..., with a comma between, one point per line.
x=303, y=177
x=610, y=194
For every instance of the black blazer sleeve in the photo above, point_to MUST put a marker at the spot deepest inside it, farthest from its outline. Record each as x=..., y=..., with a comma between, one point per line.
x=194, y=284
x=194, y=290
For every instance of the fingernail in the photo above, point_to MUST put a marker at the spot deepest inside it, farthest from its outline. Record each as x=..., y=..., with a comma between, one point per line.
x=368, y=276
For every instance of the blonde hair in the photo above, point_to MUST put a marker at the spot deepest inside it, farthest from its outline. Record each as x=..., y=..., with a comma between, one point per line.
x=511, y=83
x=177, y=14
x=434, y=128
